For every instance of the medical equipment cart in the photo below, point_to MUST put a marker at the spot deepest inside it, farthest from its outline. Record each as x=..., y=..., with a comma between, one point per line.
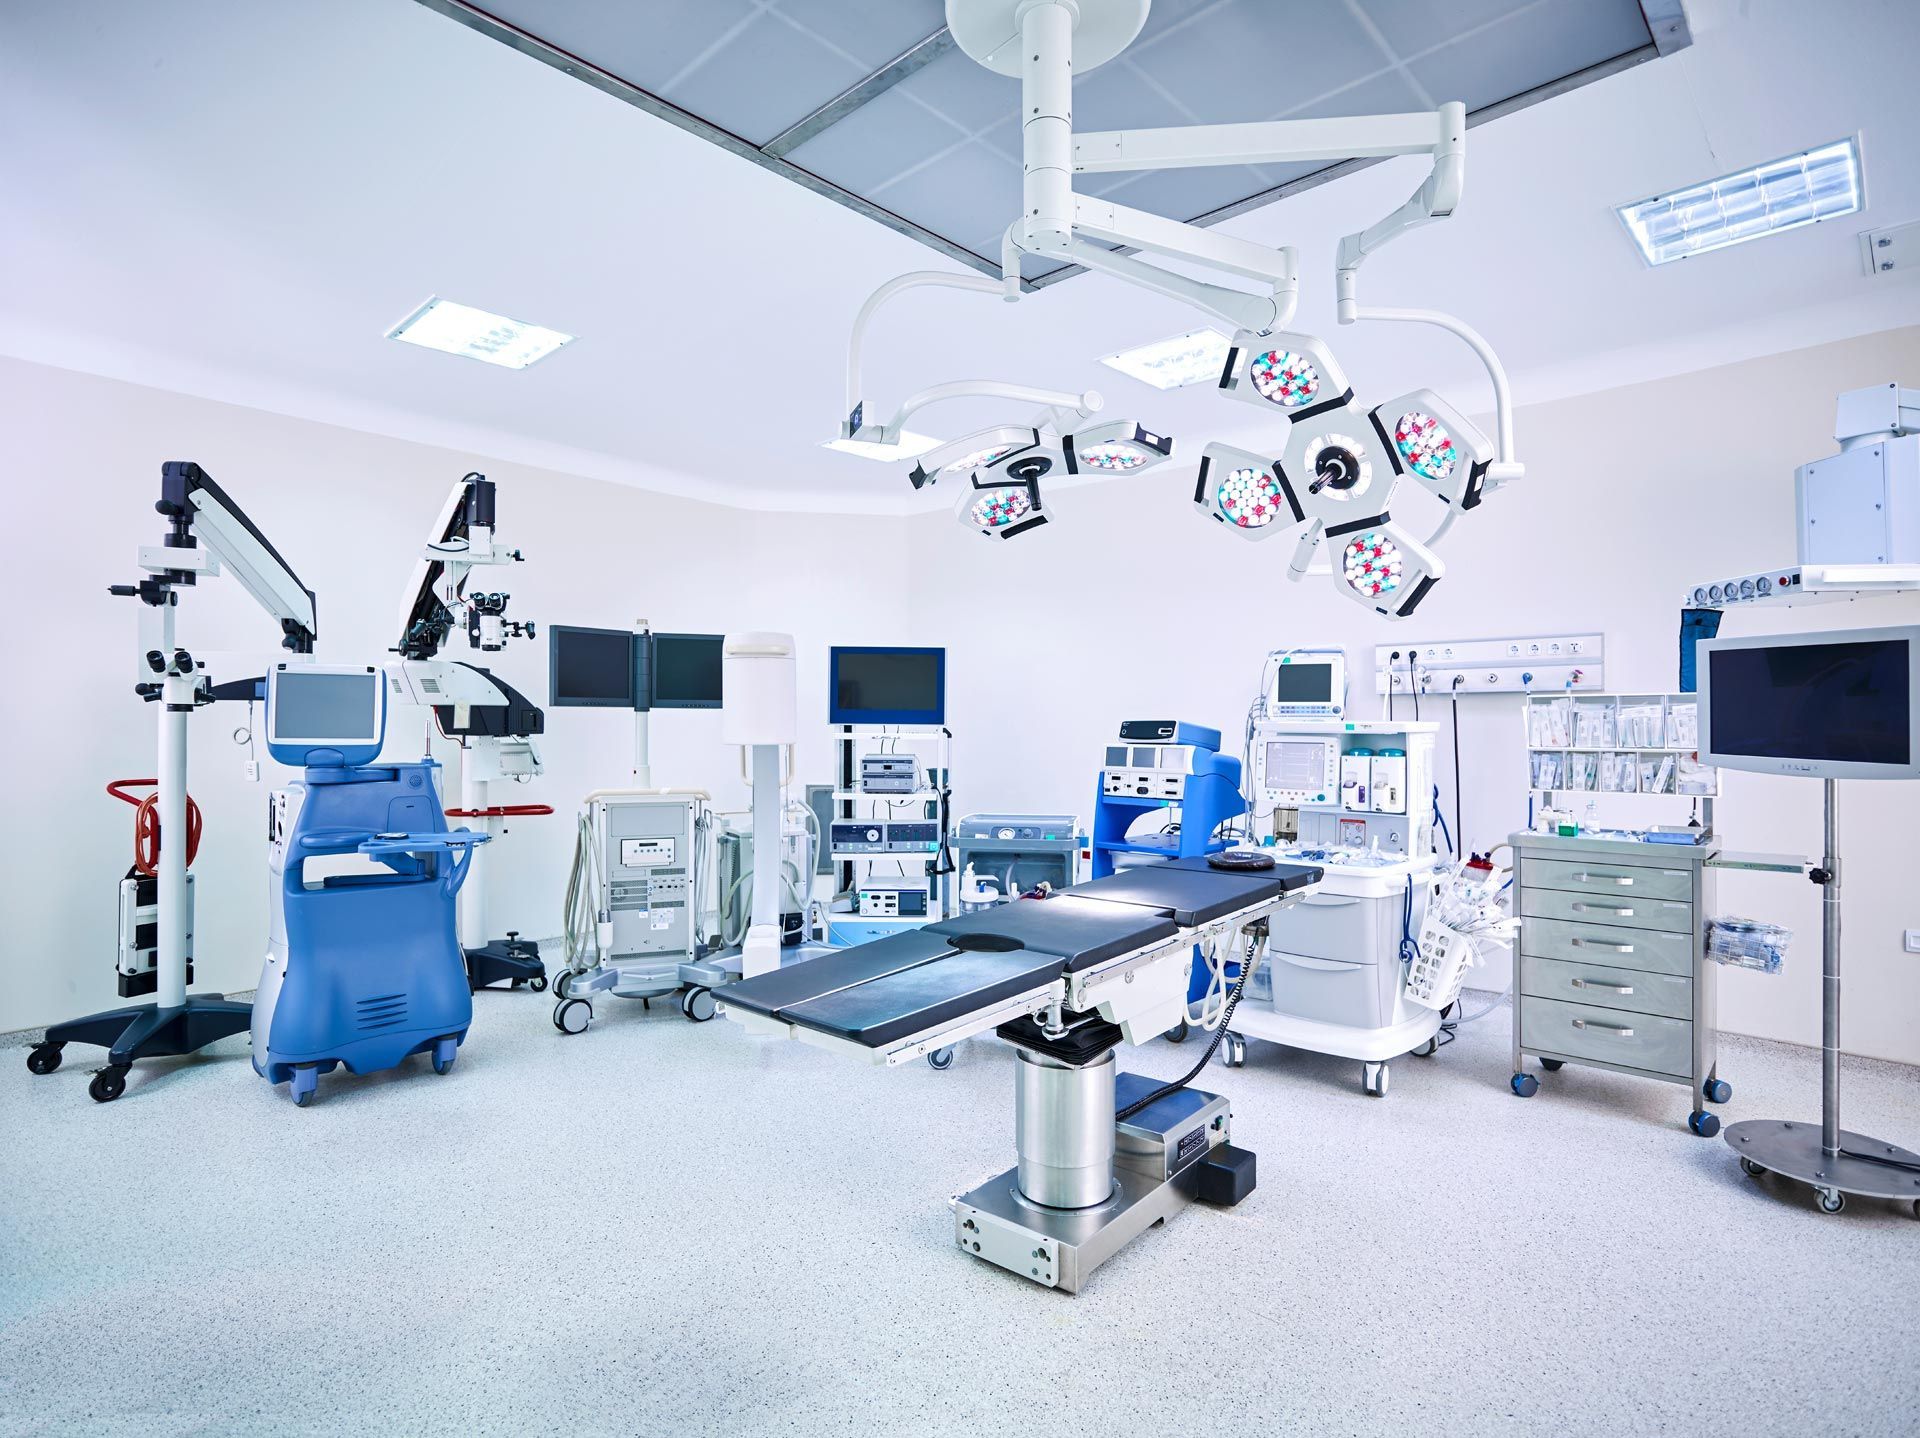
x=912, y=828
x=1612, y=969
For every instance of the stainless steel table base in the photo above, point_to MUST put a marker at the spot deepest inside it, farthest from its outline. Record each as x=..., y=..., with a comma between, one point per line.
x=1060, y=1247
x=1794, y=1150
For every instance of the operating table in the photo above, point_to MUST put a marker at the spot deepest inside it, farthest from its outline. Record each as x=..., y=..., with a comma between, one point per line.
x=1064, y=980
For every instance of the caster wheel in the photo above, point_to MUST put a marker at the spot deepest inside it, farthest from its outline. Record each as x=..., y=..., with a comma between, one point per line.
x=538, y=983
x=1831, y=1200
x=1177, y=1034
x=698, y=1005
x=1374, y=1079
x=1524, y=1085
x=305, y=1080
x=563, y=983
x=108, y=1083
x=1916, y=1208
x=571, y=1016
x=515, y=983
x=44, y=1058
x=1233, y=1051
x=1553, y=1066
x=1716, y=1090
x=1703, y=1123
x=940, y=1059
x=1428, y=1049
x=1751, y=1169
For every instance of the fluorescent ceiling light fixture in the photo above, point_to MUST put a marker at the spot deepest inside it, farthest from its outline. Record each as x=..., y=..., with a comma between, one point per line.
x=1195, y=357
x=460, y=329
x=1783, y=194
x=909, y=446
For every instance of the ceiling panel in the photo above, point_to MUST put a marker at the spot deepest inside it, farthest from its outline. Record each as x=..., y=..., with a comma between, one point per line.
x=870, y=103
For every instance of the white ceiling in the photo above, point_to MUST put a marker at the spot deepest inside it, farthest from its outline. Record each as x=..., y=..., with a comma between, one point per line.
x=236, y=200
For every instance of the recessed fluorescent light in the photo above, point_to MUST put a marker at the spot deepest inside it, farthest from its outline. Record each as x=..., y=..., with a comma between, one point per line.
x=1783, y=194
x=478, y=334
x=911, y=446
x=1195, y=357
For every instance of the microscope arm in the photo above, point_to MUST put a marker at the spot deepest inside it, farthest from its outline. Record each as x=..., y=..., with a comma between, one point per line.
x=200, y=510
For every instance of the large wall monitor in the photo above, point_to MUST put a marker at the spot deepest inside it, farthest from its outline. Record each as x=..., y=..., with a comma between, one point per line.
x=871, y=684
x=1833, y=705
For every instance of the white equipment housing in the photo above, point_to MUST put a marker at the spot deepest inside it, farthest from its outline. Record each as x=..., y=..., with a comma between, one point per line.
x=761, y=714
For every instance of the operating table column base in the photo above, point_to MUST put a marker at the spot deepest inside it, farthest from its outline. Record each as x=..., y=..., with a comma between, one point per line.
x=1163, y=1160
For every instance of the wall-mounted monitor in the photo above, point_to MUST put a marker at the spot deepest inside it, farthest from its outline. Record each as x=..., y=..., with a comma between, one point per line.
x=685, y=670
x=1833, y=705
x=873, y=684
x=592, y=668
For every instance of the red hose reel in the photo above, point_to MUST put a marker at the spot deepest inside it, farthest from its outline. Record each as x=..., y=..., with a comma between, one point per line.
x=146, y=823
x=500, y=811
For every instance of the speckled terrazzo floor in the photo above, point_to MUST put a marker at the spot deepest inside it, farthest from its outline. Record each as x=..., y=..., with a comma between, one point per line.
x=658, y=1228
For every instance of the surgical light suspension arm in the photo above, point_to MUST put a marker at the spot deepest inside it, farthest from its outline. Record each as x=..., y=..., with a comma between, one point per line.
x=1083, y=405
x=855, y=420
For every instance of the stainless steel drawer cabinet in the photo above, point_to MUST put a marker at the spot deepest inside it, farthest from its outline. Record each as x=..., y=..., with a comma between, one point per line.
x=1612, y=971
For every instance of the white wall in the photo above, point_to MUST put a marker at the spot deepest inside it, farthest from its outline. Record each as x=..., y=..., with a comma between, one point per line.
x=1129, y=605
x=349, y=512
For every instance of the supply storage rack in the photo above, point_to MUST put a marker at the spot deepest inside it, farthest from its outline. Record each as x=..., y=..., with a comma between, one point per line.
x=931, y=803
x=1575, y=742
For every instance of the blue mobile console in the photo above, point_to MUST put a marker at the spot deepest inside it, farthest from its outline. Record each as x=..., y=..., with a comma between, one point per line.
x=363, y=968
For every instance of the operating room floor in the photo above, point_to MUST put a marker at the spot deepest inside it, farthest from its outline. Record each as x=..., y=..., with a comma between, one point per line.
x=663, y=1228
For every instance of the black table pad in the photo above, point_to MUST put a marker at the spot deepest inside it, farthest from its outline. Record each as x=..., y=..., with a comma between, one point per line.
x=1081, y=932
x=914, y=999
x=792, y=984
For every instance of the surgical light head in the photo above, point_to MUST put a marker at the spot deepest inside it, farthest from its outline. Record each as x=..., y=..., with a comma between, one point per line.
x=1245, y=492
x=1383, y=567
x=1119, y=446
x=1292, y=374
x=978, y=450
x=1003, y=499
x=1433, y=444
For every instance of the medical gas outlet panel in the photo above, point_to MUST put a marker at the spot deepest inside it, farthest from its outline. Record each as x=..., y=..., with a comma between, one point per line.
x=647, y=857
x=1445, y=667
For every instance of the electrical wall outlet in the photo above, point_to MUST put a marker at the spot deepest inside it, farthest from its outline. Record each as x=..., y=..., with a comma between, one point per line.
x=1913, y=941
x=1491, y=666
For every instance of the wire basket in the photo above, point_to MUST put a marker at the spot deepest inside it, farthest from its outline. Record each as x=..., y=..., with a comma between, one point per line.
x=1439, y=970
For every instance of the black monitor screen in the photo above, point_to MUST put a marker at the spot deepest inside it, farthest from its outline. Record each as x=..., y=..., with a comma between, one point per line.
x=1845, y=703
x=334, y=708
x=888, y=686
x=686, y=671
x=1304, y=684
x=590, y=667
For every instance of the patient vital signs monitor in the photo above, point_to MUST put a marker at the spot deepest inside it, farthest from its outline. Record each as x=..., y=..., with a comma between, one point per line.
x=1833, y=705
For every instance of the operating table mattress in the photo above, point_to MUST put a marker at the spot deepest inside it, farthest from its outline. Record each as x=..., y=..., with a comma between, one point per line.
x=1193, y=891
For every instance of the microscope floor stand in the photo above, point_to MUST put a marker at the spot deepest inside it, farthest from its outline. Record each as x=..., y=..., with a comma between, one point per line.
x=142, y=1031
x=512, y=959
x=1793, y=1150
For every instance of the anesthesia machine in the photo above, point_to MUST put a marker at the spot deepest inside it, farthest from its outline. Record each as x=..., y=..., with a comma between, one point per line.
x=363, y=965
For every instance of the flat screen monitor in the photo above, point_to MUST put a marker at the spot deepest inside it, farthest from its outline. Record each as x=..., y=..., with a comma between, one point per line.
x=325, y=708
x=685, y=673
x=870, y=684
x=592, y=668
x=1832, y=705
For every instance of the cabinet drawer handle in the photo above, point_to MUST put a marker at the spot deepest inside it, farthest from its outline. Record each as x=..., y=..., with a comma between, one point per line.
x=1623, y=880
x=1625, y=911
x=1614, y=1029
x=1624, y=990
x=1603, y=944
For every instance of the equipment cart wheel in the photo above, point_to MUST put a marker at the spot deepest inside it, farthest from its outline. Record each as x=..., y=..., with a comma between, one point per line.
x=1524, y=1085
x=1177, y=1034
x=1716, y=1090
x=44, y=1058
x=1428, y=1049
x=571, y=1016
x=940, y=1059
x=562, y=983
x=1831, y=1200
x=304, y=1081
x=108, y=1083
x=445, y=1051
x=1233, y=1050
x=1751, y=1169
x=1553, y=1066
x=538, y=983
x=1374, y=1078
x=1703, y=1123
x=698, y=1004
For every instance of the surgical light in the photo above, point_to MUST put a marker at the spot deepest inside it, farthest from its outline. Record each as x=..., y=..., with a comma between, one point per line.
x=1436, y=446
x=1292, y=373
x=1005, y=501
x=458, y=329
x=1243, y=491
x=1384, y=567
x=1117, y=447
x=980, y=450
x=1372, y=563
x=1284, y=378
x=1195, y=357
x=908, y=446
x=1784, y=194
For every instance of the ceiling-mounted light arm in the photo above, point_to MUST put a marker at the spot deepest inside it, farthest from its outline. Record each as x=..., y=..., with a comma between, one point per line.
x=1278, y=269
x=1505, y=468
x=854, y=422
x=1063, y=402
x=1436, y=198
